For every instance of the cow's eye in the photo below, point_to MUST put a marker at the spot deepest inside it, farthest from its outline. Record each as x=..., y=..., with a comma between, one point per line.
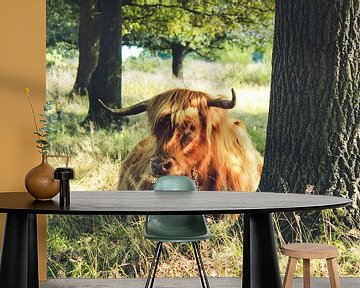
x=185, y=139
x=187, y=135
x=163, y=127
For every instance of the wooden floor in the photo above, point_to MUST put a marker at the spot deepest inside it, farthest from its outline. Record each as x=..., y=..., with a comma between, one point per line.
x=180, y=282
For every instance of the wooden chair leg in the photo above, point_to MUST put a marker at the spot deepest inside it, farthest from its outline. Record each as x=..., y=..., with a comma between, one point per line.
x=333, y=273
x=290, y=272
x=306, y=273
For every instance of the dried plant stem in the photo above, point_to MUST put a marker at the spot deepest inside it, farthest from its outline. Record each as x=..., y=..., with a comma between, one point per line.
x=34, y=117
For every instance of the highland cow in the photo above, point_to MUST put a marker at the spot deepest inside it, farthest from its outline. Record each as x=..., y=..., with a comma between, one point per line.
x=192, y=135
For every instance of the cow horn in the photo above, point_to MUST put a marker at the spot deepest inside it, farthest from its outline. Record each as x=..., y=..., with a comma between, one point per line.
x=132, y=110
x=223, y=103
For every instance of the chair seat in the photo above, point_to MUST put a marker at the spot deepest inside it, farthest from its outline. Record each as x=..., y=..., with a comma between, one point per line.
x=310, y=251
x=177, y=228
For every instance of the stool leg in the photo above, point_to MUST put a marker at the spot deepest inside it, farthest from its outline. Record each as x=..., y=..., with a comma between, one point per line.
x=306, y=273
x=333, y=273
x=290, y=272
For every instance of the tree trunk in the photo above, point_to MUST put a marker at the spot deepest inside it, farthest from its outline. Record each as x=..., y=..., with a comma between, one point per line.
x=178, y=55
x=313, y=138
x=105, y=82
x=88, y=45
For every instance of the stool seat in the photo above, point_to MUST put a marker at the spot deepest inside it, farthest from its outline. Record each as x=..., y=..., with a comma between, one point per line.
x=310, y=251
x=307, y=251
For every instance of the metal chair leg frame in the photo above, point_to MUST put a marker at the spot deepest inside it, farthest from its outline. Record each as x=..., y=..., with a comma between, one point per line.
x=198, y=264
x=204, y=281
x=154, y=264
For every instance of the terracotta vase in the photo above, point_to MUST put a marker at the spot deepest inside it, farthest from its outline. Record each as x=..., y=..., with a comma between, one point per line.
x=40, y=182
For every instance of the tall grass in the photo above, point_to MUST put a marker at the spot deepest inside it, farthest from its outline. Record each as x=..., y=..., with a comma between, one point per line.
x=108, y=246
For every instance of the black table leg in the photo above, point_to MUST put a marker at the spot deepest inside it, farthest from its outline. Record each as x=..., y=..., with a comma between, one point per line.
x=19, y=264
x=33, y=271
x=260, y=261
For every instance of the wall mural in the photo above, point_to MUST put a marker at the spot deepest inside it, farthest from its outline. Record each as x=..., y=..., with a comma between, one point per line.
x=150, y=88
x=177, y=65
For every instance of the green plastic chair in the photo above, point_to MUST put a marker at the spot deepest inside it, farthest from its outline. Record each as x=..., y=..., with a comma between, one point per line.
x=176, y=228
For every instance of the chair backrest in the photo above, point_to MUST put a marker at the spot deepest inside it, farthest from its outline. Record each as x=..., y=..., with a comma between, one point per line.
x=174, y=183
x=187, y=224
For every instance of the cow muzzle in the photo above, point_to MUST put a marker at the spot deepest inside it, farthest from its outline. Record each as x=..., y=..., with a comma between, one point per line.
x=161, y=164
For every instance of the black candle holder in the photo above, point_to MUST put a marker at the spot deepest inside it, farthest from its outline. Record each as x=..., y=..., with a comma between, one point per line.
x=64, y=174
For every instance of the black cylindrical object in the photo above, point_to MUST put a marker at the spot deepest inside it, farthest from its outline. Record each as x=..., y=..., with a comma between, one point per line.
x=64, y=174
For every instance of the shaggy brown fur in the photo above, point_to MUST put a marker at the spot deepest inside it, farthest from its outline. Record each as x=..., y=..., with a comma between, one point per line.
x=202, y=143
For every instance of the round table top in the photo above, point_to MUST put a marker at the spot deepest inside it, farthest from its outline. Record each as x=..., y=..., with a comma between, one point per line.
x=169, y=202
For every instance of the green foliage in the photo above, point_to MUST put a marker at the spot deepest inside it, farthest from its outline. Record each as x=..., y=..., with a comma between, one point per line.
x=146, y=62
x=239, y=67
x=48, y=120
x=233, y=53
x=62, y=22
x=45, y=133
x=196, y=27
x=251, y=74
x=60, y=54
x=257, y=129
x=237, y=53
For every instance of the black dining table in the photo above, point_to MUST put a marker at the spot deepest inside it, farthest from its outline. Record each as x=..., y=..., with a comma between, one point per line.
x=19, y=263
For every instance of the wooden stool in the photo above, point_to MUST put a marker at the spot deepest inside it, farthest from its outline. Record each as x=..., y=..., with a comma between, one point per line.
x=307, y=251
